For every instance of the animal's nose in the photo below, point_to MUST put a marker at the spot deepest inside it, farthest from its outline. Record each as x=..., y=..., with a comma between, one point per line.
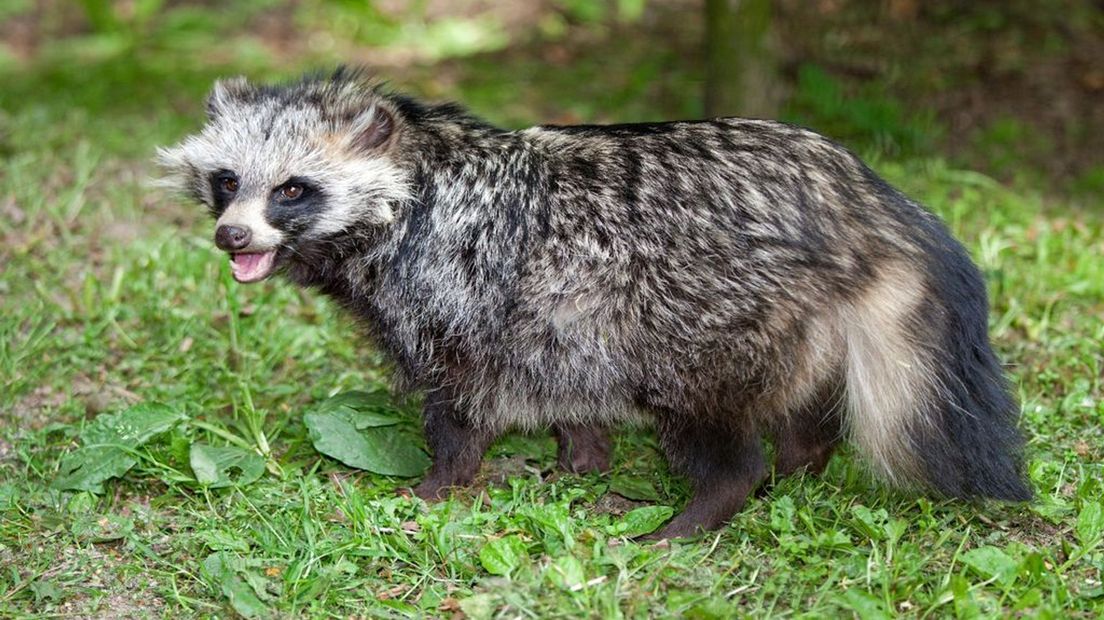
x=232, y=238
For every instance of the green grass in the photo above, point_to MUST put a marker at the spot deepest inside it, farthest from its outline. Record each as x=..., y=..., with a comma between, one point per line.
x=112, y=294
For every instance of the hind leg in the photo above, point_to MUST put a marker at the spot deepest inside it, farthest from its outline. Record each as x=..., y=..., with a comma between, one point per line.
x=806, y=441
x=583, y=448
x=724, y=465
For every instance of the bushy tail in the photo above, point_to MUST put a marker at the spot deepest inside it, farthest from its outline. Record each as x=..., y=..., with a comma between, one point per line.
x=928, y=404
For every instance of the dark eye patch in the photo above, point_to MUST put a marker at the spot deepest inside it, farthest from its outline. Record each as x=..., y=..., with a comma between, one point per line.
x=295, y=204
x=224, y=187
x=293, y=190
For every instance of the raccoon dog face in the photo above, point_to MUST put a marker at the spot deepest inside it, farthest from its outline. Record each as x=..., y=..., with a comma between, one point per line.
x=282, y=168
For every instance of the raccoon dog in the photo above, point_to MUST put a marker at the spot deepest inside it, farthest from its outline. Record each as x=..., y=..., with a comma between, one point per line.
x=731, y=280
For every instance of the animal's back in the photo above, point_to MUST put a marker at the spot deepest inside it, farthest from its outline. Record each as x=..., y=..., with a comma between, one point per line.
x=696, y=273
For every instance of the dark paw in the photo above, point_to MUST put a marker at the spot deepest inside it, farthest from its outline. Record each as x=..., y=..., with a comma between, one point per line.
x=432, y=490
x=676, y=530
x=812, y=462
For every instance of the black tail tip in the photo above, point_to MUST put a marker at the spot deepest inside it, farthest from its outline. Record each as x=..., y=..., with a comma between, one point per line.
x=1001, y=480
x=1020, y=491
x=1015, y=491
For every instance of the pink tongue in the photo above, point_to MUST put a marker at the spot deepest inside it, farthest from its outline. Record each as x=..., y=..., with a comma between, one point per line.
x=250, y=267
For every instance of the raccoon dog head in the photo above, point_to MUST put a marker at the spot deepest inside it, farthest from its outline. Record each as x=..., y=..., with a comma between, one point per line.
x=285, y=168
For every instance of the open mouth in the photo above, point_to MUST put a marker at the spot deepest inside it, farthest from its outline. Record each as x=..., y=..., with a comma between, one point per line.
x=252, y=266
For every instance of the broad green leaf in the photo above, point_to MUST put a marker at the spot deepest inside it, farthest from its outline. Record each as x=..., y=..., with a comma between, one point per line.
x=380, y=450
x=567, y=572
x=362, y=419
x=81, y=504
x=46, y=591
x=895, y=528
x=1090, y=523
x=865, y=605
x=640, y=521
x=502, y=555
x=223, y=540
x=869, y=522
x=242, y=598
x=212, y=465
x=553, y=524
x=1052, y=508
x=833, y=539
x=108, y=444
x=634, y=487
x=783, y=514
x=220, y=567
x=714, y=608
x=1033, y=566
x=991, y=562
x=964, y=604
x=361, y=409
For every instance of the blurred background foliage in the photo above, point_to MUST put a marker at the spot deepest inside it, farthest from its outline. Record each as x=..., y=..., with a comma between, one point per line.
x=1011, y=87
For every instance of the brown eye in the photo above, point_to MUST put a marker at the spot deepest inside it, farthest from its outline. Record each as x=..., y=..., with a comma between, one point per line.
x=230, y=184
x=291, y=192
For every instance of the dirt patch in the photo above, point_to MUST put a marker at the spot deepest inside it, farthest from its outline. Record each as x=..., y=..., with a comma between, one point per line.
x=616, y=505
x=36, y=408
x=499, y=471
x=1035, y=531
x=96, y=581
x=106, y=592
x=39, y=408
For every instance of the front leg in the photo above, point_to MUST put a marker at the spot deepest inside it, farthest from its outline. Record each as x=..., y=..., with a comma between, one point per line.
x=456, y=444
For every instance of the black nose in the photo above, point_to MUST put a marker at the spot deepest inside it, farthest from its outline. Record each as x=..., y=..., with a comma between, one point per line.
x=232, y=238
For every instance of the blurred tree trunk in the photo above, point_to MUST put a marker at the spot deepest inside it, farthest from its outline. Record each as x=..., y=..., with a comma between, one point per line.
x=740, y=68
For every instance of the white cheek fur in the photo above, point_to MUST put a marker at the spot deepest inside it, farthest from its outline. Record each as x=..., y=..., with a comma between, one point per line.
x=361, y=190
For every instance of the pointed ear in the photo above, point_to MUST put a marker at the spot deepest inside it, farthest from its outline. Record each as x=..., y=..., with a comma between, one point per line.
x=372, y=130
x=224, y=94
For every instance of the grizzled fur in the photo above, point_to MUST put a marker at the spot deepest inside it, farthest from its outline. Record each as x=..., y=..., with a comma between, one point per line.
x=731, y=280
